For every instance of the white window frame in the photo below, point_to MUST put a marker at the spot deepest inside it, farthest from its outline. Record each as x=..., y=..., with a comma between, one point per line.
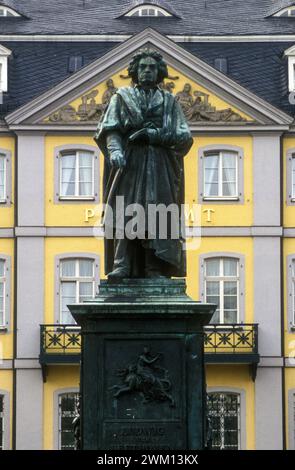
x=220, y=180
x=291, y=293
x=65, y=257
x=77, y=181
x=3, y=280
x=141, y=8
x=284, y=10
x=221, y=280
x=77, y=279
x=214, y=149
x=5, y=326
x=70, y=149
x=8, y=10
x=4, y=157
x=4, y=54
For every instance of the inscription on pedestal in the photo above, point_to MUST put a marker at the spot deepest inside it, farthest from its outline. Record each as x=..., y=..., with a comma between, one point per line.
x=143, y=436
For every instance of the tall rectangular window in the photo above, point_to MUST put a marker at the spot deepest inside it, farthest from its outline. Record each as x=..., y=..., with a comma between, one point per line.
x=221, y=175
x=67, y=403
x=77, y=283
x=293, y=175
x=222, y=288
x=293, y=292
x=77, y=174
x=224, y=417
x=2, y=176
x=2, y=292
x=1, y=422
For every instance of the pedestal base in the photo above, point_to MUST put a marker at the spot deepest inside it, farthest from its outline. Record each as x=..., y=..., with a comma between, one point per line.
x=142, y=374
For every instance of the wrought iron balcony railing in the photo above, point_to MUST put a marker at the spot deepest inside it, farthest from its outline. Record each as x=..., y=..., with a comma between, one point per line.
x=234, y=343
x=60, y=343
x=231, y=339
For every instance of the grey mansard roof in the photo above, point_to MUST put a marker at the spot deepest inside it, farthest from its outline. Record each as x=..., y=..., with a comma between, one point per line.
x=191, y=17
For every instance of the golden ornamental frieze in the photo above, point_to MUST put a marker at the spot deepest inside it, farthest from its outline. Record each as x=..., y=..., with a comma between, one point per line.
x=194, y=103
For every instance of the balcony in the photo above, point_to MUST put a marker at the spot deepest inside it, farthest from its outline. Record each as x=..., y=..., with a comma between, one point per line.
x=232, y=344
x=223, y=344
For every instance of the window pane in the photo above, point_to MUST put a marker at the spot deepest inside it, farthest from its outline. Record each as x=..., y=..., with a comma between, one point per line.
x=211, y=164
x=229, y=162
x=68, y=164
x=230, y=288
x=213, y=267
x=230, y=302
x=230, y=267
x=68, y=296
x=230, y=316
x=212, y=288
x=68, y=268
x=85, y=189
x=85, y=159
x=85, y=268
x=86, y=291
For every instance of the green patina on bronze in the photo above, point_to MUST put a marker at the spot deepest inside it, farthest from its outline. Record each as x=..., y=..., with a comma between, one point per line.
x=144, y=137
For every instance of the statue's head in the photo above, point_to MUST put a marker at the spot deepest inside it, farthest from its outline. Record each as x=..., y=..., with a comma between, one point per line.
x=147, y=68
x=187, y=88
x=110, y=83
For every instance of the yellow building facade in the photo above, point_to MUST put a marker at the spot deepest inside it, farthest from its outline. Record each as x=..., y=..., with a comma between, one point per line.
x=240, y=252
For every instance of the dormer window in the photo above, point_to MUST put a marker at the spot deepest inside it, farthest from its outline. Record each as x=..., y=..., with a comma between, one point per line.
x=4, y=54
x=290, y=54
x=5, y=11
x=148, y=10
x=290, y=11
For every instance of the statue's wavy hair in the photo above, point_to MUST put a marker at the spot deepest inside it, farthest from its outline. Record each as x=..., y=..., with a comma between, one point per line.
x=142, y=54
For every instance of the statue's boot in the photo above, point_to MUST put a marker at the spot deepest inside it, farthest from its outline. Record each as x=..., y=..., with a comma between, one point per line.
x=154, y=266
x=121, y=268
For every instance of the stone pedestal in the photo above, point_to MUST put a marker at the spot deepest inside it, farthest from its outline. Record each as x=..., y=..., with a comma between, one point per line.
x=142, y=371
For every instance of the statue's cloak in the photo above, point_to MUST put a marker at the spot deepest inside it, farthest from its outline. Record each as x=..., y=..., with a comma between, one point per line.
x=154, y=173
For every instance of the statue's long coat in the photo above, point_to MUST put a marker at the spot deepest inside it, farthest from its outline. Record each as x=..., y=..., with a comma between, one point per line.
x=154, y=174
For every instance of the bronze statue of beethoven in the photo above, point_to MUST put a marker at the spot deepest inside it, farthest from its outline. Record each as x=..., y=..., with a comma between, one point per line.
x=144, y=136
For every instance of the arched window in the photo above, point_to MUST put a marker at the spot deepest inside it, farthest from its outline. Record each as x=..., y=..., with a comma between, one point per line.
x=222, y=282
x=289, y=11
x=221, y=178
x=67, y=405
x=76, y=173
x=77, y=283
x=4, y=292
x=148, y=10
x=291, y=292
x=224, y=413
x=6, y=11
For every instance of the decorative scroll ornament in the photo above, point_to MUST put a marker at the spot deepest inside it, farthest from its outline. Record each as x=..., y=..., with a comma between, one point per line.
x=146, y=378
